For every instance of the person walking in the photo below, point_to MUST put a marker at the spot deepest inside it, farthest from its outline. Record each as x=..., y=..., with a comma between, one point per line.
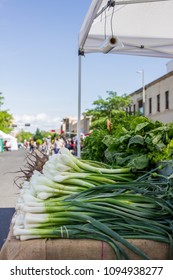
x=48, y=145
x=31, y=145
x=58, y=143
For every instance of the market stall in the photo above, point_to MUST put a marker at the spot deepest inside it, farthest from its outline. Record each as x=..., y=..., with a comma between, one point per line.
x=62, y=216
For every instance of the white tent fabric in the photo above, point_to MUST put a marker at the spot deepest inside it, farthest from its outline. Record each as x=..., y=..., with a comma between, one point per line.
x=2, y=134
x=12, y=140
x=140, y=27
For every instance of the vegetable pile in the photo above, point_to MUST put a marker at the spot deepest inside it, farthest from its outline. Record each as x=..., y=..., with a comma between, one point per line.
x=74, y=198
x=139, y=143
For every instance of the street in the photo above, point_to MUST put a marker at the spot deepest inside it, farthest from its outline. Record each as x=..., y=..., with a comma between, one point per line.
x=10, y=163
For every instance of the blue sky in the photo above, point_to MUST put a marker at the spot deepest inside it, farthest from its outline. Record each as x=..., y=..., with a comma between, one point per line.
x=39, y=63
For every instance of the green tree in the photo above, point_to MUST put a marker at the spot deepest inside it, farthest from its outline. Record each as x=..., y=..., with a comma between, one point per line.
x=5, y=121
x=5, y=117
x=38, y=135
x=45, y=134
x=112, y=109
x=23, y=135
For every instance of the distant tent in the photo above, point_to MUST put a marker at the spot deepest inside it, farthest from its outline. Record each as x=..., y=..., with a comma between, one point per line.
x=12, y=140
x=2, y=134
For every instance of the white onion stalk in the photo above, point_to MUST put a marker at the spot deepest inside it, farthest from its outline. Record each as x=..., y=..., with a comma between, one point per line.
x=41, y=203
x=36, y=209
x=28, y=237
x=45, y=195
x=69, y=162
x=90, y=168
x=44, y=188
x=29, y=199
x=63, y=177
x=61, y=167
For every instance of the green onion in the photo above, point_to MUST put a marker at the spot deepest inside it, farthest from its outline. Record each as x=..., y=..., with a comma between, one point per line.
x=73, y=198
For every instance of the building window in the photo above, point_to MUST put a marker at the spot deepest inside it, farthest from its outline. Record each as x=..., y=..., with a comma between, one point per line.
x=130, y=110
x=158, y=103
x=167, y=99
x=67, y=125
x=150, y=105
x=134, y=108
x=140, y=106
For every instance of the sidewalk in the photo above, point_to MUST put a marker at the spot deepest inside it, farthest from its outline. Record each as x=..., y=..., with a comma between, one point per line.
x=10, y=163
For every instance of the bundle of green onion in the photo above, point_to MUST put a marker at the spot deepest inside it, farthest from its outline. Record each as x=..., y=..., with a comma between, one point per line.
x=74, y=199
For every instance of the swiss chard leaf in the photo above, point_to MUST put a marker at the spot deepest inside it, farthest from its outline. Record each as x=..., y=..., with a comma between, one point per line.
x=137, y=139
x=140, y=126
x=124, y=138
x=156, y=139
x=108, y=140
x=160, y=146
x=139, y=162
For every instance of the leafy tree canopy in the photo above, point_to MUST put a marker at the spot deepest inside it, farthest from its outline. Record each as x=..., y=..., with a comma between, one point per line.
x=111, y=109
x=109, y=106
x=5, y=121
x=23, y=135
x=5, y=117
x=38, y=135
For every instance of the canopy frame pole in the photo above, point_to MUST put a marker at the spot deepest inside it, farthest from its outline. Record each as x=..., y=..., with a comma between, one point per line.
x=80, y=54
x=112, y=3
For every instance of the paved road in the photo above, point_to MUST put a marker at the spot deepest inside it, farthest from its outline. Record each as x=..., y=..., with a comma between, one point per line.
x=10, y=162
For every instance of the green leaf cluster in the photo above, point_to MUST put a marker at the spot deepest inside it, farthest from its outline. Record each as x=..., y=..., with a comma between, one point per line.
x=136, y=142
x=5, y=121
x=5, y=118
x=145, y=143
x=23, y=135
x=133, y=140
x=107, y=108
x=94, y=147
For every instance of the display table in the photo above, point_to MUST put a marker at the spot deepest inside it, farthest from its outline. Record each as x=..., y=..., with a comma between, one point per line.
x=75, y=249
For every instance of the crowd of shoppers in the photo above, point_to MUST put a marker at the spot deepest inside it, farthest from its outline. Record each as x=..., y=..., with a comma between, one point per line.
x=51, y=146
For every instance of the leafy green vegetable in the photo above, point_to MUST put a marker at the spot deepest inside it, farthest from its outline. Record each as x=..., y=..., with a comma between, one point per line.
x=138, y=142
x=140, y=126
x=139, y=162
x=137, y=139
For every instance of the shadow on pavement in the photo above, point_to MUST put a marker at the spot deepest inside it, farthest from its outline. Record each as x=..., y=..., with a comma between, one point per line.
x=5, y=220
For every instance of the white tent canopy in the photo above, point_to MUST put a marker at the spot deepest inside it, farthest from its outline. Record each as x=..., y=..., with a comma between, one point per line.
x=3, y=135
x=12, y=140
x=129, y=27
x=139, y=27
